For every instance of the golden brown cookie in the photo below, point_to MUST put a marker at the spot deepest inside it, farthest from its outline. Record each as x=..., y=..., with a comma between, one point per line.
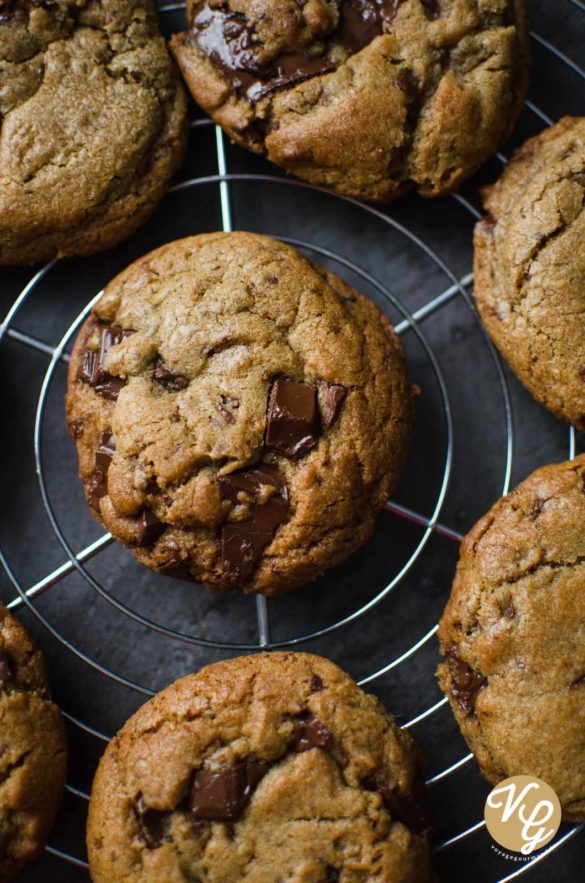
x=262, y=768
x=92, y=124
x=369, y=98
x=530, y=267
x=33, y=753
x=513, y=634
x=240, y=414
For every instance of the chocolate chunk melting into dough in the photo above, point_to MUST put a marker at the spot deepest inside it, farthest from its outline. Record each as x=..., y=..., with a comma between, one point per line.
x=311, y=733
x=152, y=823
x=228, y=39
x=167, y=378
x=242, y=542
x=93, y=370
x=466, y=683
x=149, y=528
x=98, y=485
x=412, y=810
x=335, y=396
x=6, y=670
x=222, y=795
x=292, y=419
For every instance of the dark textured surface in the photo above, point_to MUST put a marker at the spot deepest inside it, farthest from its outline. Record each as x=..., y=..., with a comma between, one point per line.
x=475, y=397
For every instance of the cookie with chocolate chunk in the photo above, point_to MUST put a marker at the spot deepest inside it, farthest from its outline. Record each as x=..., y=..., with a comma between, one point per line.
x=264, y=768
x=32, y=750
x=530, y=267
x=240, y=414
x=512, y=634
x=369, y=97
x=92, y=124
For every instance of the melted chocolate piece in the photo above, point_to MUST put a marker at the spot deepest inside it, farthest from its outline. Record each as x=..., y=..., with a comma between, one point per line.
x=576, y=683
x=292, y=419
x=151, y=822
x=317, y=684
x=432, y=9
x=335, y=397
x=242, y=542
x=229, y=39
x=149, y=528
x=311, y=733
x=332, y=876
x=6, y=670
x=251, y=483
x=465, y=683
x=93, y=369
x=167, y=378
x=411, y=810
x=98, y=483
x=222, y=795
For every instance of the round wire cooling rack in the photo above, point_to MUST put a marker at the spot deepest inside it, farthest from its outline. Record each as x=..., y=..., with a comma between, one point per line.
x=456, y=288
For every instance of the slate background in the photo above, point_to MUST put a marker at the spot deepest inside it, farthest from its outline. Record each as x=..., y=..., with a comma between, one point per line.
x=475, y=397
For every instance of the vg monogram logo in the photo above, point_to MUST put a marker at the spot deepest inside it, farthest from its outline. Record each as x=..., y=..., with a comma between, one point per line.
x=522, y=814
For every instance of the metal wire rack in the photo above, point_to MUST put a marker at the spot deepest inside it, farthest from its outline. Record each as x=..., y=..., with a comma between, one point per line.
x=408, y=324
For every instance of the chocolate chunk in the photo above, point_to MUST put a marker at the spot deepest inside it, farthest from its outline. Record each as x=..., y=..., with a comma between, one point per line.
x=228, y=39
x=359, y=23
x=76, y=428
x=97, y=487
x=576, y=683
x=93, y=369
x=292, y=419
x=167, y=378
x=242, y=542
x=222, y=795
x=465, y=683
x=105, y=452
x=508, y=609
x=311, y=733
x=149, y=528
x=432, y=9
x=334, y=398
x=225, y=403
x=151, y=822
x=332, y=876
x=251, y=482
x=6, y=670
x=151, y=487
x=317, y=684
x=411, y=809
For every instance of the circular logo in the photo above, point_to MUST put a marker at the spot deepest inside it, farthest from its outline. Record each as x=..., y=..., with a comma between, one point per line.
x=522, y=814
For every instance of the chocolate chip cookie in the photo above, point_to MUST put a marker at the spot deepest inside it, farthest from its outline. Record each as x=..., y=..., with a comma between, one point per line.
x=513, y=634
x=530, y=267
x=369, y=97
x=32, y=750
x=240, y=414
x=262, y=768
x=92, y=124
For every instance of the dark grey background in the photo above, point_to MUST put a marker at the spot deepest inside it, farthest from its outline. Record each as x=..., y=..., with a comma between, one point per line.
x=98, y=629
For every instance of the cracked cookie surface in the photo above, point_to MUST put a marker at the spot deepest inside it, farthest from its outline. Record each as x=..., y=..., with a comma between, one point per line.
x=92, y=124
x=513, y=632
x=530, y=267
x=32, y=750
x=369, y=97
x=240, y=414
x=262, y=769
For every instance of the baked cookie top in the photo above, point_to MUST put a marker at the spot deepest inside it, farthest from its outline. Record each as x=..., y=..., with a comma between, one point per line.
x=513, y=634
x=32, y=750
x=92, y=124
x=369, y=98
x=530, y=267
x=240, y=414
x=260, y=768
